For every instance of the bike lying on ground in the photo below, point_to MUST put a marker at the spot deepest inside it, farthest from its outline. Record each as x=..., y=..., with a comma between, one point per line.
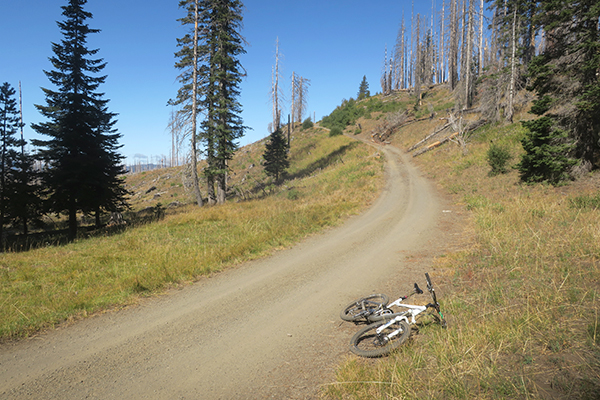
x=388, y=330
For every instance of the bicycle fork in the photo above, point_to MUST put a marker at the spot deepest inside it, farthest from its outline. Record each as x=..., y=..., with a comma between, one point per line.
x=387, y=325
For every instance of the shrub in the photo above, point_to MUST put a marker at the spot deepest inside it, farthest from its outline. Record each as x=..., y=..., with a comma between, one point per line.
x=336, y=131
x=588, y=202
x=497, y=157
x=307, y=124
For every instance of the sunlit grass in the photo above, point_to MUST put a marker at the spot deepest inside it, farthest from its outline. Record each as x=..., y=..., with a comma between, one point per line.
x=47, y=286
x=521, y=301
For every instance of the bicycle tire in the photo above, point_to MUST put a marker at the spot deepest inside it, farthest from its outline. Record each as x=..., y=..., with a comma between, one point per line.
x=367, y=343
x=361, y=308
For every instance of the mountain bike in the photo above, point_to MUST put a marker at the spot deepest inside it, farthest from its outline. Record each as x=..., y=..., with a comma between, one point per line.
x=387, y=330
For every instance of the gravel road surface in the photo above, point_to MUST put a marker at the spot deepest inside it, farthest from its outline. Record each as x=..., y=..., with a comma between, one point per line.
x=267, y=329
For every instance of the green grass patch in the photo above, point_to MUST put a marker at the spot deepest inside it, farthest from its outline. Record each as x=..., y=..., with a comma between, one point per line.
x=337, y=177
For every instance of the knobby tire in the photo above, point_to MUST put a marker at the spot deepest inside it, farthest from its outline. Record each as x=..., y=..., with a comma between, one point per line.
x=367, y=343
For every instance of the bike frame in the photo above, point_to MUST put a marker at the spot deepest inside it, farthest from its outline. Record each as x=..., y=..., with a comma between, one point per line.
x=412, y=311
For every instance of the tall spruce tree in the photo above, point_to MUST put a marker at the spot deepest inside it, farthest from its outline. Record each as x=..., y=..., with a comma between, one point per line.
x=276, y=155
x=9, y=125
x=82, y=165
x=223, y=125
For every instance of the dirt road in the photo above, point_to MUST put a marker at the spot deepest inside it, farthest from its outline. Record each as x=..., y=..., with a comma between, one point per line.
x=269, y=329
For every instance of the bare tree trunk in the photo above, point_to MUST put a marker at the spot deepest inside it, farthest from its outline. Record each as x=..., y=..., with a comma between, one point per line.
x=468, y=80
x=275, y=91
x=511, y=88
x=302, y=97
x=442, y=72
x=453, y=62
x=418, y=61
x=480, y=67
x=390, y=80
x=294, y=90
x=384, y=77
x=195, y=180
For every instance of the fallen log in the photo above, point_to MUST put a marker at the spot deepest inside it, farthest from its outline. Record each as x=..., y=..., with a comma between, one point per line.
x=435, y=144
x=414, y=146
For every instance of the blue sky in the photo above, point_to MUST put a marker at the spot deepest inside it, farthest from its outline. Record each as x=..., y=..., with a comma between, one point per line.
x=334, y=43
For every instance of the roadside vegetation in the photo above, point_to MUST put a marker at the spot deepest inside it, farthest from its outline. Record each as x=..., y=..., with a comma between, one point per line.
x=521, y=299
x=329, y=178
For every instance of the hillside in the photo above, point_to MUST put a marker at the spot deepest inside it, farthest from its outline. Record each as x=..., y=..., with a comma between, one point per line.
x=517, y=267
x=521, y=296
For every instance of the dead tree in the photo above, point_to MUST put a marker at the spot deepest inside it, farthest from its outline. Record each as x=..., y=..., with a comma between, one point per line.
x=276, y=93
x=177, y=123
x=467, y=56
x=301, y=97
x=293, y=105
x=513, y=68
x=453, y=50
x=431, y=135
x=399, y=58
x=480, y=66
x=442, y=71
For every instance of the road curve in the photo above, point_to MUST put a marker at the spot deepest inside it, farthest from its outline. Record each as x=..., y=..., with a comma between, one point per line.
x=268, y=329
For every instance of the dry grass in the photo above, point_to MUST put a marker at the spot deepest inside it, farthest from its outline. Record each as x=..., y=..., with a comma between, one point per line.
x=522, y=301
x=44, y=287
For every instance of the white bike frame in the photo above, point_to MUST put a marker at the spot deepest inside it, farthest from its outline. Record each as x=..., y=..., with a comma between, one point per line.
x=413, y=311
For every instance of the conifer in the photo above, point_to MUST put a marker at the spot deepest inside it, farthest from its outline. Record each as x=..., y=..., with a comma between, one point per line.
x=82, y=167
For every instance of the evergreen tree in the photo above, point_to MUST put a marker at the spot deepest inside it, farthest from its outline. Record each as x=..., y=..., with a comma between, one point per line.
x=223, y=126
x=565, y=78
x=9, y=125
x=276, y=155
x=82, y=166
x=19, y=193
x=363, y=89
x=25, y=204
x=192, y=52
x=546, y=149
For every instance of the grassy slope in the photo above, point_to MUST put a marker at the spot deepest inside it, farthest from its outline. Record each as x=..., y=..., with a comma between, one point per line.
x=332, y=178
x=521, y=300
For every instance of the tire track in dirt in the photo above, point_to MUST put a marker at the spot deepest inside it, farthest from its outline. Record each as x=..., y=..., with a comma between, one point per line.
x=268, y=329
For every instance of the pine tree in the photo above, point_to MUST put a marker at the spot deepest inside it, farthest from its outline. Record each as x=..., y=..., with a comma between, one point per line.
x=9, y=124
x=223, y=123
x=25, y=204
x=82, y=165
x=363, y=89
x=566, y=80
x=276, y=155
x=546, y=152
x=19, y=194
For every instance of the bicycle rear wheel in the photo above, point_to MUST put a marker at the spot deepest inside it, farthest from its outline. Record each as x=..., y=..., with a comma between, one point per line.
x=368, y=343
x=364, y=307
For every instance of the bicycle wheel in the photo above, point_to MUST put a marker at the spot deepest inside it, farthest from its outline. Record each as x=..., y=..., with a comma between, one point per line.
x=364, y=307
x=368, y=343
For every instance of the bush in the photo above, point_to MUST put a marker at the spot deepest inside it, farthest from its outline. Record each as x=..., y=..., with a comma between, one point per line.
x=307, y=124
x=547, y=150
x=336, y=131
x=497, y=157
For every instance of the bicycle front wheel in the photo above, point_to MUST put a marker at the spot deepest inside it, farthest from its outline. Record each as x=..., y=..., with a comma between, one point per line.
x=368, y=343
x=364, y=307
